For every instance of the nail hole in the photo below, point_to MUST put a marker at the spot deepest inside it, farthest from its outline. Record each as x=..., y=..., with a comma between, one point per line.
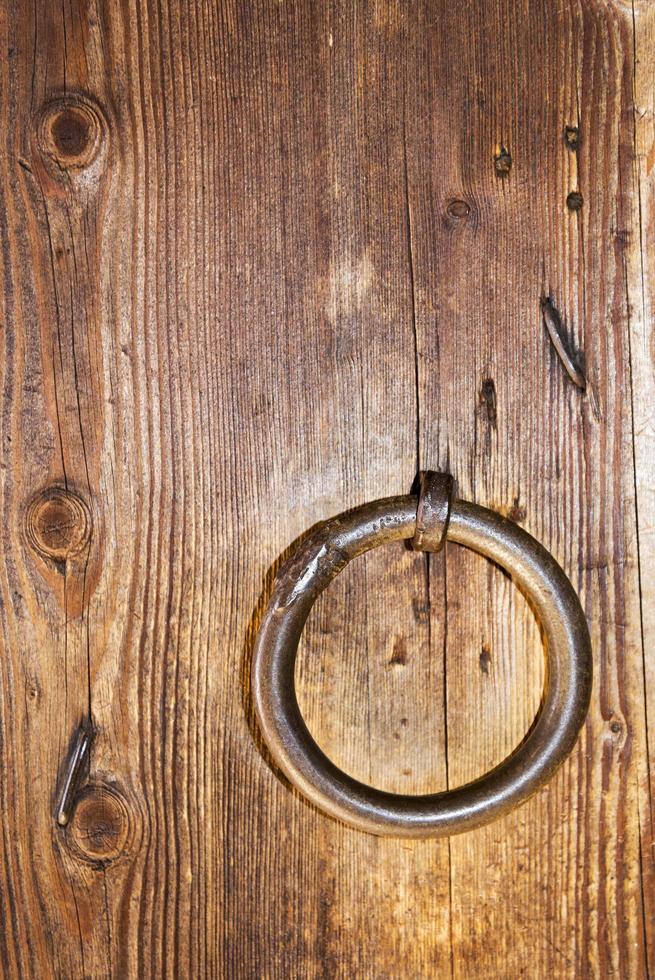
x=488, y=401
x=572, y=137
x=399, y=654
x=503, y=162
x=517, y=511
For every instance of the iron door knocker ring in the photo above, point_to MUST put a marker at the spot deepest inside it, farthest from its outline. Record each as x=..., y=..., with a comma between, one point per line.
x=428, y=521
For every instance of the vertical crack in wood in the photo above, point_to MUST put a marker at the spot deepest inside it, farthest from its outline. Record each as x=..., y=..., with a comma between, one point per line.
x=369, y=701
x=445, y=726
x=51, y=253
x=410, y=263
x=417, y=383
x=642, y=890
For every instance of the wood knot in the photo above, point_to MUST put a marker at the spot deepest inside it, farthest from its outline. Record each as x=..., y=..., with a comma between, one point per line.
x=58, y=524
x=574, y=201
x=70, y=133
x=99, y=828
x=458, y=209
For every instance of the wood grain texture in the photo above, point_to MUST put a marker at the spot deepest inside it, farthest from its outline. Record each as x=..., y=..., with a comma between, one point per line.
x=641, y=293
x=259, y=263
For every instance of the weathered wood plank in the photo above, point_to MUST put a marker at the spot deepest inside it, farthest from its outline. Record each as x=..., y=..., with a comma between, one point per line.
x=549, y=87
x=66, y=537
x=259, y=263
x=641, y=297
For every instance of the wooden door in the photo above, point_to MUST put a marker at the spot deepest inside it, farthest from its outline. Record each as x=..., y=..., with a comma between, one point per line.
x=261, y=262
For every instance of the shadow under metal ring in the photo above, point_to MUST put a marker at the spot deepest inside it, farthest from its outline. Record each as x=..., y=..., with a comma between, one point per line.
x=428, y=520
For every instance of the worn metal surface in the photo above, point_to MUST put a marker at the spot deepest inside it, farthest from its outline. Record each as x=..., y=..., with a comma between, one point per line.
x=310, y=570
x=436, y=491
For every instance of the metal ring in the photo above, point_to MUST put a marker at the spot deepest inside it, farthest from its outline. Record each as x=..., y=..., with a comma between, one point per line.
x=312, y=567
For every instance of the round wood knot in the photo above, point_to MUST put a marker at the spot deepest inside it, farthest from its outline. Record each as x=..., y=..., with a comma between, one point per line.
x=458, y=209
x=58, y=523
x=70, y=132
x=100, y=824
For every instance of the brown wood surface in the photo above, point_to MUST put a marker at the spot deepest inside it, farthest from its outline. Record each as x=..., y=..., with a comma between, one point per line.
x=260, y=263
